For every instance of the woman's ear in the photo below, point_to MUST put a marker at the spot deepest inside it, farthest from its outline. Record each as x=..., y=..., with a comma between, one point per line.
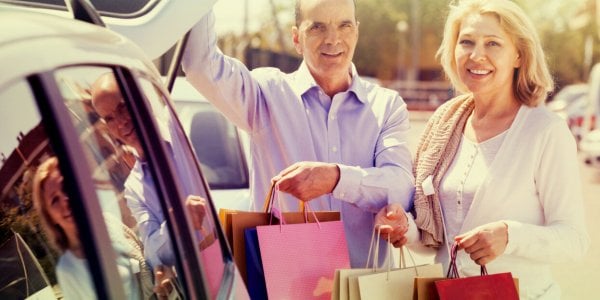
x=517, y=63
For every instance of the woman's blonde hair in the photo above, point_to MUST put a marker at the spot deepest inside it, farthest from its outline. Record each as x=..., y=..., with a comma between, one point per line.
x=532, y=81
x=56, y=235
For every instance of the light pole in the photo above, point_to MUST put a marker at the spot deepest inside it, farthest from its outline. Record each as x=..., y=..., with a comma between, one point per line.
x=402, y=28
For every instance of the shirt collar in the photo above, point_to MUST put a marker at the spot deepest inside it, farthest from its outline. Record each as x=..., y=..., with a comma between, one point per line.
x=358, y=85
x=305, y=82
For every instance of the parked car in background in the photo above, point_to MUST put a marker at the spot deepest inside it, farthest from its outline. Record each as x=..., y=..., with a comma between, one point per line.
x=222, y=149
x=571, y=103
x=590, y=142
x=589, y=148
x=51, y=63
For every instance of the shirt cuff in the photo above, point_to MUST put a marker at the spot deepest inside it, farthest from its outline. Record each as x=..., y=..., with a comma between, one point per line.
x=349, y=183
x=514, y=236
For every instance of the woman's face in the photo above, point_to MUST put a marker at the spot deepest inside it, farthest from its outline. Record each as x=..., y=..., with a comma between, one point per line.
x=57, y=203
x=485, y=56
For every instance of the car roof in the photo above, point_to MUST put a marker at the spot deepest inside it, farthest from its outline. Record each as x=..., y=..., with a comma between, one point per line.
x=152, y=28
x=65, y=42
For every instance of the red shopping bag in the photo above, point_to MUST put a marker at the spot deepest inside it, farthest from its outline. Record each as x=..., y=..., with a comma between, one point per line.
x=485, y=287
x=299, y=260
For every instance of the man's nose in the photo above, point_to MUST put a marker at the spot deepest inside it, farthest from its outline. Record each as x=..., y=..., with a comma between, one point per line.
x=332, y=35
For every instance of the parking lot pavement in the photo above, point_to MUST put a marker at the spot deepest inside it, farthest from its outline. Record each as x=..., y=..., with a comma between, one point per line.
x=579, y=280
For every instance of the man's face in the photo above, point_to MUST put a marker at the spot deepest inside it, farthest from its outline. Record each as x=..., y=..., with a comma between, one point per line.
x=327, y=36
x=109, y=105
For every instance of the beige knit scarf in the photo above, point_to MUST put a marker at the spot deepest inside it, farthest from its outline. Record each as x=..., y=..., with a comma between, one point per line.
x=435, y=153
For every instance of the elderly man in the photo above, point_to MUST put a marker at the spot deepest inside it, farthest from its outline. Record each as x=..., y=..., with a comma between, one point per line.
x=322, y=133
x=140, y=191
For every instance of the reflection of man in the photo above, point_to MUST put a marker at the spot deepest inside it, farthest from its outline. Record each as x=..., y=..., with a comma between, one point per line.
x=340, y=140
x=140, y=191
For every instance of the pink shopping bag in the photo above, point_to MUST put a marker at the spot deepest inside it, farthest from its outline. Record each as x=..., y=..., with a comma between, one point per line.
x=299, y=260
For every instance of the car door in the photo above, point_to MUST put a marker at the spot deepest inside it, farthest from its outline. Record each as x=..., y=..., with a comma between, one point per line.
x=61, y=123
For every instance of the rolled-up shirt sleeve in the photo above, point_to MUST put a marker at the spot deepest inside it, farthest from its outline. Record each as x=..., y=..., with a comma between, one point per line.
x=391, y=179
x=152, y=228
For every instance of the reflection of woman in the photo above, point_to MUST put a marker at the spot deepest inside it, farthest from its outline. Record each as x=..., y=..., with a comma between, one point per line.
x=496, y=171
x=57, y=221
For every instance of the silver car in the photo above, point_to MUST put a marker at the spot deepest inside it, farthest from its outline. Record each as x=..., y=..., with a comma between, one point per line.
x=69, y=164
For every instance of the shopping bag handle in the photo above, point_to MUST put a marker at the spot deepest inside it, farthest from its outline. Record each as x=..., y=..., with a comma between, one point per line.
x=453, y=269
x=273, y=197
x=268, y=204
x=375, y=244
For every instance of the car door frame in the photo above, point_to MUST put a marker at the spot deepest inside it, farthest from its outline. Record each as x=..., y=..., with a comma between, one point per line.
x=64, y=140
x=68, y=149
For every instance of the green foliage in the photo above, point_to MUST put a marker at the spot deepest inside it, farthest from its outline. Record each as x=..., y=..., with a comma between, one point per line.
x=384, y=51
x=23, y=220
x=378, y=46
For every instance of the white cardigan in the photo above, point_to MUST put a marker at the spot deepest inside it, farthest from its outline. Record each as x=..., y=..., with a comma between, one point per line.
x=533, y=186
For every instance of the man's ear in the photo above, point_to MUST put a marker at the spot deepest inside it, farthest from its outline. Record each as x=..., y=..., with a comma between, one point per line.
x=296, y=39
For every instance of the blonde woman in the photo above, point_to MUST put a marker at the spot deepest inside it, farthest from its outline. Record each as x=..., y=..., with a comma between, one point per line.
x=496, y=172
x=53, y=207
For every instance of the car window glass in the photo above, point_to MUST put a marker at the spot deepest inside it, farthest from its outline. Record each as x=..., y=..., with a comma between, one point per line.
x=124, y=184
x=192, y=181
x=38, y=237
x=105, y=7
x=216, y=143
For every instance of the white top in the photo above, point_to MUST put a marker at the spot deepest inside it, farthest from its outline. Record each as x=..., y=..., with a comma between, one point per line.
x=533, y=185
x=464, y=176
x=74, y=277
x=73, y=273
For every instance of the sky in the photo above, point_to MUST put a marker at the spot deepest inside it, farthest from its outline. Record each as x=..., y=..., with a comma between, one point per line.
x=229, y=15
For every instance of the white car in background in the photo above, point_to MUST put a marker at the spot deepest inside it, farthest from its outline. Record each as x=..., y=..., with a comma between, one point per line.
x=571, y=103
x=221, y=149
x=590, y=148
x=590, y=142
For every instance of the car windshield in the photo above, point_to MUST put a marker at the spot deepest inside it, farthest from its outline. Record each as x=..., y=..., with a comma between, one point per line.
x=122, y=9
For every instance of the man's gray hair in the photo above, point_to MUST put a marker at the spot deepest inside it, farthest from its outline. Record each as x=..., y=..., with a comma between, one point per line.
x=298, y=11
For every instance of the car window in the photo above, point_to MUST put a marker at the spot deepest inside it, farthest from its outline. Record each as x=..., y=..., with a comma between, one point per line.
x=127, y=191
x=211, y=256
x=216, y=143
x=106, y=7
x=29, y=257
x=42, y=249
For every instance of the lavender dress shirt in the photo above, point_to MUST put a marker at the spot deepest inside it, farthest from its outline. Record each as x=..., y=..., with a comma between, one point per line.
x=290, y=119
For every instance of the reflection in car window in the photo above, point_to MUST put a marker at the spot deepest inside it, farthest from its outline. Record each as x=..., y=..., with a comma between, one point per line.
x=216, y=144
x=110, y=144
x=183, y=159
x=28, y=257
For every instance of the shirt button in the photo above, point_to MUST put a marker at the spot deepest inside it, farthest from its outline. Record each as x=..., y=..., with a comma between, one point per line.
x=332, y=117
x=334, y=149
x=342, y=195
